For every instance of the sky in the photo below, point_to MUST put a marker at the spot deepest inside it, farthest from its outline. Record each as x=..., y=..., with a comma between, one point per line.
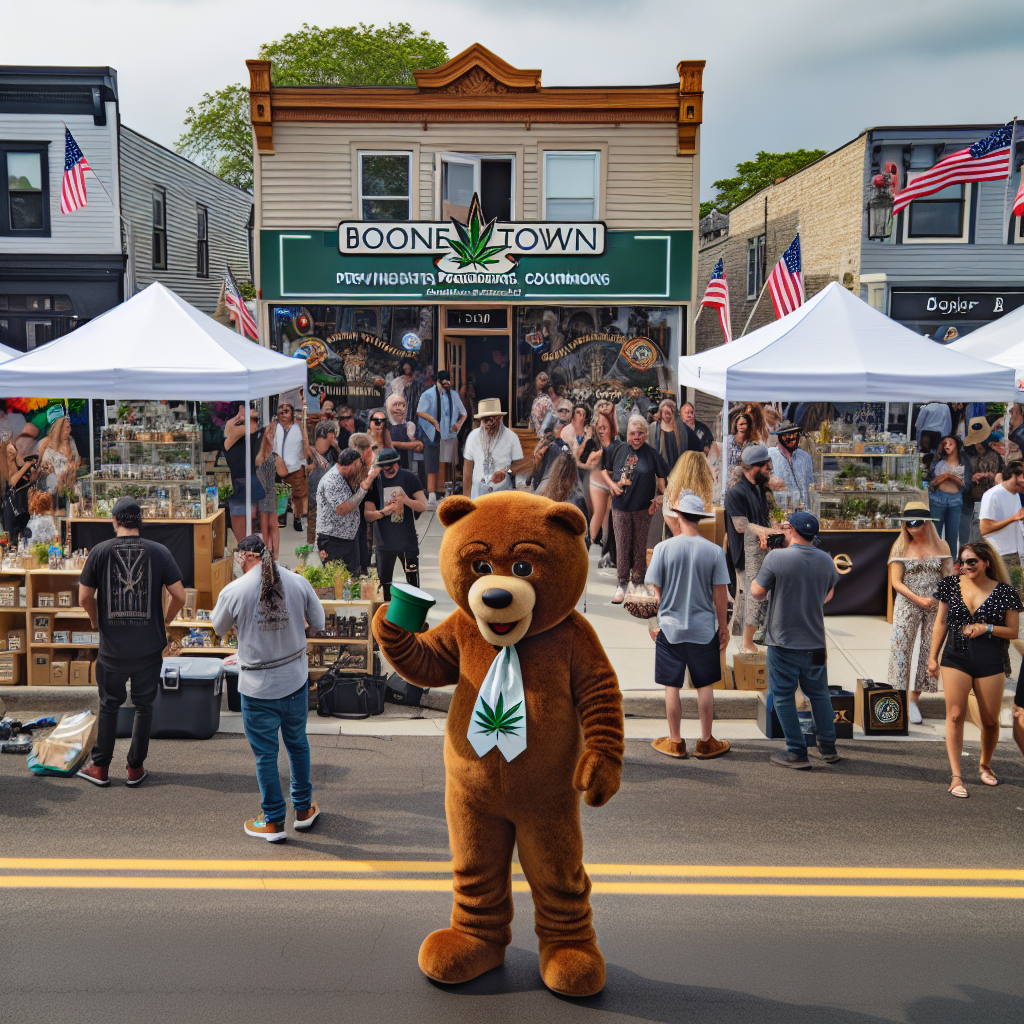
x=780, y=75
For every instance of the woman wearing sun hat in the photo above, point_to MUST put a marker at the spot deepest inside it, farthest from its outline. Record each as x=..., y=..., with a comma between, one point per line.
x=917, y=562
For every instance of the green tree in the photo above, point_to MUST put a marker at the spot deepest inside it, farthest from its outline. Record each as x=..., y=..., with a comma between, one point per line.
x=218, y=131
x=753, y=175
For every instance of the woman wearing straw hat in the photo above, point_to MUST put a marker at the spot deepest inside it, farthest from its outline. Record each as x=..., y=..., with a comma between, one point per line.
x=490, y=451
x=985, y=465
x=917, y=562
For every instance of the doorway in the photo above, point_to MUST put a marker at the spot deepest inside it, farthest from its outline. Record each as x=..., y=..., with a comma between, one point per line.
x=478, y=354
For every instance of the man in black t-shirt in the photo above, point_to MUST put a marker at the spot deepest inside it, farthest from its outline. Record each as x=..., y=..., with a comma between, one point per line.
x=703, y=432
x=390, y=506
x=121, y=587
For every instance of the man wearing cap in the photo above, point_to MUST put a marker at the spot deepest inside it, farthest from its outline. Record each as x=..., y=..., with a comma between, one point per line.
x=801, y=579
x=689, y=575
x=558, y=419
x=394, y=498
x=121, y=589
x=441, y=415
x=270, y=610
x=490, y=451
x=792, y=465
x=338, y=498
x=747, y=524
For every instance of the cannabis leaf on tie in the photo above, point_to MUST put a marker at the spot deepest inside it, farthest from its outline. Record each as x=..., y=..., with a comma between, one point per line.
x=497, y=719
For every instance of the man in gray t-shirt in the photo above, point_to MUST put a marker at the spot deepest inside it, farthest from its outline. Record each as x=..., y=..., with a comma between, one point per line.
x=690, y=576
x=801, y=580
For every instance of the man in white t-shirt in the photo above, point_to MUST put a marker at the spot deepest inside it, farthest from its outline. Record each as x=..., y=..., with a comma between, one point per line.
x=490, y=451
x=1001, y=515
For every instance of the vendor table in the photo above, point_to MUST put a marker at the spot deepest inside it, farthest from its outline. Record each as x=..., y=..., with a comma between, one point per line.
x=862, y=560
x=196, y=544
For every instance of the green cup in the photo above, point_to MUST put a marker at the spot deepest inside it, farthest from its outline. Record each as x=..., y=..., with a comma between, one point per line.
x=408, y=607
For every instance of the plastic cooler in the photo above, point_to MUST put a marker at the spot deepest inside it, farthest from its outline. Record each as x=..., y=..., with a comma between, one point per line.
x=187, y=704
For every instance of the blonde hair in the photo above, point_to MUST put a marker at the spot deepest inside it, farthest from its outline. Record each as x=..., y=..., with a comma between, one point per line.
x=996, y=566
x=52, y=440
x=639, y=421
x=360, y=442
x=690, y=473
x=931, y=534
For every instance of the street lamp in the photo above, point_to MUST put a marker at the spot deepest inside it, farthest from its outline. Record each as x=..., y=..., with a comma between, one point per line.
x=881, y=203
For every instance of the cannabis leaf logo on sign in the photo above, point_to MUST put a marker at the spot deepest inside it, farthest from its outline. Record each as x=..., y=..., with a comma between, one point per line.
x=472, y=249
x=499, y=720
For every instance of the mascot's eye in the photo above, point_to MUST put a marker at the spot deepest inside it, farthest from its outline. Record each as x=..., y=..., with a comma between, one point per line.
x=482, y=568
x=522, y=568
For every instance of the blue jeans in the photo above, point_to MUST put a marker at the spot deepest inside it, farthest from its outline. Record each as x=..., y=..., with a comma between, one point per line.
x=945, y=509
x=262, y=720
x=787, y=669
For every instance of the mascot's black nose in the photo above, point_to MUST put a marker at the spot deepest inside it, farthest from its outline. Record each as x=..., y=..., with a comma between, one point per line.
x=496, y=598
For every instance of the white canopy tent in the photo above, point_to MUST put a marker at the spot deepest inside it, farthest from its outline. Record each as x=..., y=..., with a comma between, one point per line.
x=836, y=347
x=7, y=354
x=154, y=346
x=1001, y=341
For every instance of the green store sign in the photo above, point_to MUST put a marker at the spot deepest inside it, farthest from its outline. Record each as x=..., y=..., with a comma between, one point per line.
x=635, y=267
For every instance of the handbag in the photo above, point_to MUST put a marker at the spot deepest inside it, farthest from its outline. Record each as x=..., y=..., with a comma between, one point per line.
x=350, y=695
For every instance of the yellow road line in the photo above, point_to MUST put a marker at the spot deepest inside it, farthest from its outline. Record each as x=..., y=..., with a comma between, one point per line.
x=306, y=866
x=444, y=885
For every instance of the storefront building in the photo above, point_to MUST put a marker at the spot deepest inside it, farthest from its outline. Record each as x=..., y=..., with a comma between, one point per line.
x=481, y=223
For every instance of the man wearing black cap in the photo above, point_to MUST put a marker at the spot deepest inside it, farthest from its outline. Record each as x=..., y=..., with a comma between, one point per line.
x=801, y=580
x=793, y=466
x=391, y=506
x=121, y=587
x=341, y=491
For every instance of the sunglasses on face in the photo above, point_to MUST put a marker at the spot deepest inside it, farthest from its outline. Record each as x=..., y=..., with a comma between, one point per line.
x=913, y=524
x=970, y=563
x=345, y=418
x=377, y=422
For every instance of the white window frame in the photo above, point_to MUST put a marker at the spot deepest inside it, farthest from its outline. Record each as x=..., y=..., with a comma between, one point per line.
x=596, y=154
x=961, y=239
x=408, y=154
x=474, y=159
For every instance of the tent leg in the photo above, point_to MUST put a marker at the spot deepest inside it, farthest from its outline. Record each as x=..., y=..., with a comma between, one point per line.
x=724, y=469
x=248, y=468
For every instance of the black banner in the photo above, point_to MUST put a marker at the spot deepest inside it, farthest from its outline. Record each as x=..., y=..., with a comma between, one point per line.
x=942, y=304
x=178, y=538
x=862, y=559
x=478, y=319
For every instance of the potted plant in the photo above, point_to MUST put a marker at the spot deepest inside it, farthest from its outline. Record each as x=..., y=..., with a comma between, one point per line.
x=304, y=551
x=320, y=579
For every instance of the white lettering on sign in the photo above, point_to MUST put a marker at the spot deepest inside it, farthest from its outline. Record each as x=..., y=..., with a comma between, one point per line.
x=998, y=307
x=427, y=238
x=956, y=305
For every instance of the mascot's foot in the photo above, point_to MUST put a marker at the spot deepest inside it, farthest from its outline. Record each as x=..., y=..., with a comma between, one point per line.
x=573, y=968
x=452, y=957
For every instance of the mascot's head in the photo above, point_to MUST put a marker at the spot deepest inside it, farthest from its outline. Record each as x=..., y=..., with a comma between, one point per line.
x=516, y=562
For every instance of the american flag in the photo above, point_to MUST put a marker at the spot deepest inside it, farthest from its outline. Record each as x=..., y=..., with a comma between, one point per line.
x=72, y=188
x=717, y=295
x=236, y=304
x=987, y=160
x=1018, y=202
x=787, y=281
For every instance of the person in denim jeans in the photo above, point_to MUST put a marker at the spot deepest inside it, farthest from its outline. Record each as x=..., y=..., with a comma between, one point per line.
x=801, y=580
x=946, y=482
x=270, y=610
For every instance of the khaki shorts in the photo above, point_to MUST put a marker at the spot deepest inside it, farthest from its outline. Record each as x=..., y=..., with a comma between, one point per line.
x=298, y=483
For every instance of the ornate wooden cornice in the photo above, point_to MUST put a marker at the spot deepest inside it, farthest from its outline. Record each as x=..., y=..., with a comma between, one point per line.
x=476, y=86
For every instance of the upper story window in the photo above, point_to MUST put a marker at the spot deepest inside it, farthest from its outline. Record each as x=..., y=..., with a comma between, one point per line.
x=384, y=186
x=490, y=177
x=941, y=216
x=755, y=266
x=159, y=229
x=24, y=189
x=202, y=241
x=571, y=185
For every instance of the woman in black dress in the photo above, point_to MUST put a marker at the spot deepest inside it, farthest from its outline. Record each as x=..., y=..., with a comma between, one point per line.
x=978, y=615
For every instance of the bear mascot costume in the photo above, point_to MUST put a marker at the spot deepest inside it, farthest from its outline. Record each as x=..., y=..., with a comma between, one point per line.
x=535, y=720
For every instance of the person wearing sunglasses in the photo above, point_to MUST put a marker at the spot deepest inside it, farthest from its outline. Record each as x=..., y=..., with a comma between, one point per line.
x=918, y=561
x=978, y=615
x=377, y=428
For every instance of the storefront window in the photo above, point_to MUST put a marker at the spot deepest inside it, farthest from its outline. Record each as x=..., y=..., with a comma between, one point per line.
x=358, y=355
x=594, y=352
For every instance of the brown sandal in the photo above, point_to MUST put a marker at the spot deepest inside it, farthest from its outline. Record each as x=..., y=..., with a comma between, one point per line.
x=986, y=774
x=958, y=791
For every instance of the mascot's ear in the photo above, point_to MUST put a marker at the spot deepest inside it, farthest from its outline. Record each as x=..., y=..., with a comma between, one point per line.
x=567, y=516
x=452, y=509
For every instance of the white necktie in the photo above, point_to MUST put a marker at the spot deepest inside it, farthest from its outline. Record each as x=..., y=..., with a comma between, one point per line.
x=499, y=715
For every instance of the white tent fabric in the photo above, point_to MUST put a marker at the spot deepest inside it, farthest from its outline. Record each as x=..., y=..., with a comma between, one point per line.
x=152, y=346
x=7, y=354
x=1001, y=341
x=837, y=348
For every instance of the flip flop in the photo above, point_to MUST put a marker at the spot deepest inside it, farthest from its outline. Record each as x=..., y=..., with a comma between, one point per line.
x=986, y=774
x=958, y=791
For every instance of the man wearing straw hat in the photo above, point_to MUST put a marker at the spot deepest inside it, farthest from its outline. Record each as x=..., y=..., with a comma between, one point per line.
x=490, y=451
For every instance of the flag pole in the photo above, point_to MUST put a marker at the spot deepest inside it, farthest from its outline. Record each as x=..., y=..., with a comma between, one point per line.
x=754, y=310
x=94, y=174
x=1009, y=185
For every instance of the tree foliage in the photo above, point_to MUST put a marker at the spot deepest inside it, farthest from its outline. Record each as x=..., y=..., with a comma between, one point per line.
x=218, y=130
x=753, y=175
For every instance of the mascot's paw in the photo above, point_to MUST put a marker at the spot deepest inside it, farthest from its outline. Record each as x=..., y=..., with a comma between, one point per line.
x=572, y=969
x=597, y=777
x=452, y=957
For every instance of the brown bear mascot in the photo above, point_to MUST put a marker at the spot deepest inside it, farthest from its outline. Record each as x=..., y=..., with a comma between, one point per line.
x=535, y=720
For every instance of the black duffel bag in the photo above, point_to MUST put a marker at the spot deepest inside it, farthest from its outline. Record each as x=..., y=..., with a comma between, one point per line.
x=349, y=695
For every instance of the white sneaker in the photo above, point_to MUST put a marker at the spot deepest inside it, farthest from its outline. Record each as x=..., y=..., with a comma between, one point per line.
x=620, y=596
x=432, y=503
x=915, y=713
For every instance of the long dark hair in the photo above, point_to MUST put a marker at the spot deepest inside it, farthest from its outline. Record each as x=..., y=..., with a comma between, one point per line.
x=995, y=568
x=958, y=441
x=563, y=479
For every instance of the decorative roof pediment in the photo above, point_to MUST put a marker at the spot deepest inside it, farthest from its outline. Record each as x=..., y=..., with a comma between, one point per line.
x=477, y=72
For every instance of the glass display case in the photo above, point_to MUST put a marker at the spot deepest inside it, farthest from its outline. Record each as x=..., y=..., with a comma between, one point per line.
x=163, y=468
x=863, y=484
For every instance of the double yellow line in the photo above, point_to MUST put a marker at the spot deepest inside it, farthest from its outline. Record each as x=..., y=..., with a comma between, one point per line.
x=407, y=876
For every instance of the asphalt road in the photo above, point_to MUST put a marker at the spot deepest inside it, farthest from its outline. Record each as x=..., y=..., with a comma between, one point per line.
x=326, y=926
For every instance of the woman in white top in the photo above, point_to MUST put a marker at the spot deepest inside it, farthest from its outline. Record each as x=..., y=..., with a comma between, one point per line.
x=58, y=459
x=946, y=483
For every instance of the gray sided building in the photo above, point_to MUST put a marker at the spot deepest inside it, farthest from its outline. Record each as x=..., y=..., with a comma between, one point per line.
x=151, y=214
x=950, y=263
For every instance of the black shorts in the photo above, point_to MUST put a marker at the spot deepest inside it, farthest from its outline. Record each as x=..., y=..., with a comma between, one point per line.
x=982, y=658
x=672, y=660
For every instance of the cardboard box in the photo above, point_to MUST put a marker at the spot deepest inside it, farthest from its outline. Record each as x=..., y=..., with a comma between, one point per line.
x=67, y=747
x=843, y=710
x=60, y=673
x=39, y=663
x=17, y=640
x=65, y=599
x=191, y=603
x=8, y=596
x=22, y=597
x=61, y=636
x=750, y=671
x=46, y=599
x=80, y=673
x=3, y=642
x=40, y=636
x=10, y=669
x=880, y=710
x=78, y=637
